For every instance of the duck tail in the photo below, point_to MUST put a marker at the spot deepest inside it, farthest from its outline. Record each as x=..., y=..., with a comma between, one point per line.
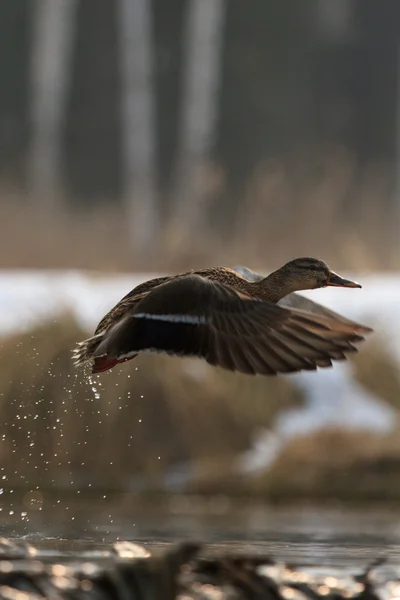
x=102, y=363
x=84, y=350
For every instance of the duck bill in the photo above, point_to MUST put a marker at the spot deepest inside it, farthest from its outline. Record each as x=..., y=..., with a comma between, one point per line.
x=335, y=280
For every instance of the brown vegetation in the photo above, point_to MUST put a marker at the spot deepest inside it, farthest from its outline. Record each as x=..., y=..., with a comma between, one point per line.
x=286, y=211
x=336, y=464
x=378, y=370
x=151, y=414
x=124, y=430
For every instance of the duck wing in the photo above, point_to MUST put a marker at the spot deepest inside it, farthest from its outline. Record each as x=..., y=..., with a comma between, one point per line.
x=127, y=302
x=248, y=273
x=299, y=302
x=193, y=316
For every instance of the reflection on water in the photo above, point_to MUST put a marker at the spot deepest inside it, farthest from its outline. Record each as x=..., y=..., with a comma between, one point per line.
x=303, y=536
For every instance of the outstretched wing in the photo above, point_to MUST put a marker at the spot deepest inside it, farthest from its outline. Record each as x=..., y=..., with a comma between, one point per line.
x=128, y=302
x=196, y=317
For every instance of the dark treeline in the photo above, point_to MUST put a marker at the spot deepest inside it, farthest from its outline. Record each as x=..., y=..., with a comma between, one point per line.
x=288, y=88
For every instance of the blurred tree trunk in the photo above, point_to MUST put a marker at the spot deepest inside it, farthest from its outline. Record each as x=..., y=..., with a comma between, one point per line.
x=395, y=217
x=201, y=82
x=52, y=39
x=334, y=20
x=138, y=123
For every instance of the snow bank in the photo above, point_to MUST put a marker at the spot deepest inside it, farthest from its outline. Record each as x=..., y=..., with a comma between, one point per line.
x=26, y=296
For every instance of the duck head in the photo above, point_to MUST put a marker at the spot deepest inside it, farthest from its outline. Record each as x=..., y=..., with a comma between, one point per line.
x=312, y=273
x=303, y=274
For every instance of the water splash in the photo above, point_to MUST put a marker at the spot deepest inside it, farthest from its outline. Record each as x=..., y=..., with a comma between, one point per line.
x=94, y=387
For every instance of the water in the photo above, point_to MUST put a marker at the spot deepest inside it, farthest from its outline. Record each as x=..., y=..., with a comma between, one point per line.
x=306, y=536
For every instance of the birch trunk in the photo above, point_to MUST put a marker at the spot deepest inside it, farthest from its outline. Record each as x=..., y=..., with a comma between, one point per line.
x=138, y=122
x=394, y=216
x=53, y=33
x=201, y=82
x=334, y=19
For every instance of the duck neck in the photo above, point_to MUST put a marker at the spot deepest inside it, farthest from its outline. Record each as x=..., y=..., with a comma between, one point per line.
x=274, y=287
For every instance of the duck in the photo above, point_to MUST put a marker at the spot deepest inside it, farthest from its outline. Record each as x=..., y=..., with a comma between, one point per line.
x=232, y=318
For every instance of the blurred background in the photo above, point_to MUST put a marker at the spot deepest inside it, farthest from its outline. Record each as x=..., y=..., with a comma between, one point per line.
x=152, y=134
x=141, y=137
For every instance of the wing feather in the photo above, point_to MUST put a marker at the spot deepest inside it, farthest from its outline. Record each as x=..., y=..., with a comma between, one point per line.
x=193, y=316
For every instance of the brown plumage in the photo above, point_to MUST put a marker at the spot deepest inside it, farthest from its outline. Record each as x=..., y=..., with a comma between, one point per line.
x=230, y=320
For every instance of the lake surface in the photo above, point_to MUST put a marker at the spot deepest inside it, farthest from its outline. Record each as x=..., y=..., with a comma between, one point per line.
x=306, y=536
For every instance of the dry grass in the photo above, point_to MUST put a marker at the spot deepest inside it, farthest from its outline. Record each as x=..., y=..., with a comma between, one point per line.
x=377, y=359
x=155, y=413
x=324, y=207
x=83, y=239
x=330, y=464
x=168, y=411
x=336, y=464
x=342, y=464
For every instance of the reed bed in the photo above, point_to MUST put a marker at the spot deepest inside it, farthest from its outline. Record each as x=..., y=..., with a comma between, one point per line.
x=327, y=207
x=178, y=425
x=123, y=430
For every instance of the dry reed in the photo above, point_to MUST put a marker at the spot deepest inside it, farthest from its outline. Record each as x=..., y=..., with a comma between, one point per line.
x=151, y=414
x=326, y=208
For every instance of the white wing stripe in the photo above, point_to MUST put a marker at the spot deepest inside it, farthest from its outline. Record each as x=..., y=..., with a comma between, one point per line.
x=190, y=319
